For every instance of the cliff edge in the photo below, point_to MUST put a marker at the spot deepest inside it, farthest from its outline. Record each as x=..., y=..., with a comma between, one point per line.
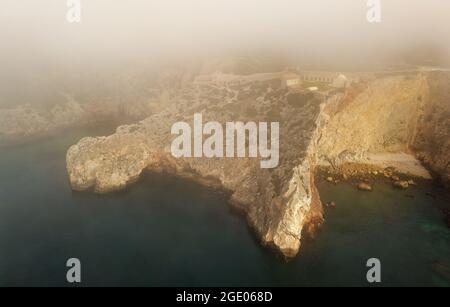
x=391, y=115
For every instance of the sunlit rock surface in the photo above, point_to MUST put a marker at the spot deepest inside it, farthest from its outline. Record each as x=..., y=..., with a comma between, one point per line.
x=389, y=116
x=391, y=120
x=278, y=203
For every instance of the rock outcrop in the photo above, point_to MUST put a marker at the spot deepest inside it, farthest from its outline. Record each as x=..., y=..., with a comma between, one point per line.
x=20, y=124
x=280, y=204
x=401, y=184
x=388, y=115
x=365, y=187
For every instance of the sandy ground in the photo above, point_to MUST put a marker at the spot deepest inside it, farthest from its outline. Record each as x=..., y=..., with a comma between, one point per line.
x=402, y=162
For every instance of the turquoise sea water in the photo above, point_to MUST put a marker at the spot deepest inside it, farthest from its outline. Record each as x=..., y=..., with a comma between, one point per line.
x=165, y=231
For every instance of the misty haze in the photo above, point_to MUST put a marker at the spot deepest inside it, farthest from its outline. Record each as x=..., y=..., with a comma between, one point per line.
x=93, y=94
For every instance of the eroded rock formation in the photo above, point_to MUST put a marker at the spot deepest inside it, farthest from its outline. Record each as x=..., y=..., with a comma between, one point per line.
x=388, y=115
x=278, y=203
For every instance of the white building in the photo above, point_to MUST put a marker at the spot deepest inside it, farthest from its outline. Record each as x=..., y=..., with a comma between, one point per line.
x=334, y=79
x=291, y=80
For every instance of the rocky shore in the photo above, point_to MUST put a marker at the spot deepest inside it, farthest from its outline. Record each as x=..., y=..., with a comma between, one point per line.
x=390, y=125
x=281, y=204
x=379, y=128
x=365, y=176
x=339, y=132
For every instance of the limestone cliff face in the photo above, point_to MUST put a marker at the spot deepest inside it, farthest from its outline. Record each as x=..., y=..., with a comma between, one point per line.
x=280, y=204
x=407, y=113
x=432, y=139
x=383, y=117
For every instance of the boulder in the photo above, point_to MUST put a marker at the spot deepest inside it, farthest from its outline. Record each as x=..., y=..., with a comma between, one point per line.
x=363, y=186
x=401, y=184
x=412, y=182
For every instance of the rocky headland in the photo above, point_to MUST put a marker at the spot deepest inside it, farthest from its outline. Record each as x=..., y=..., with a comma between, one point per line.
x=382, y=127
x=280, y=204
x=394, y=126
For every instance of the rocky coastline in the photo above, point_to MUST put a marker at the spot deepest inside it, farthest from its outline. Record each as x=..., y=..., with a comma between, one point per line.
x=280, y=204
x=381, y=129
x=318, y=133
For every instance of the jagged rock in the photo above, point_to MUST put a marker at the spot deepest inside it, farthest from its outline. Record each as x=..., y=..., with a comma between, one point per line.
x=363, y=186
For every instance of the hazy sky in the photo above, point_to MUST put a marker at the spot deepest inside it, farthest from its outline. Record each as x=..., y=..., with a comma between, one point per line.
x=36, y=33
x=174, y=27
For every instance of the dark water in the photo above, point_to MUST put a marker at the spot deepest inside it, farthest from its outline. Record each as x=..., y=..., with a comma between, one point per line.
x=164, y=231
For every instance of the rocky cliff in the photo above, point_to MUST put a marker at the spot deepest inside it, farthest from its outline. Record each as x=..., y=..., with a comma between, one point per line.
x=279, y=203
x=431, y=143
x=395, y=114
